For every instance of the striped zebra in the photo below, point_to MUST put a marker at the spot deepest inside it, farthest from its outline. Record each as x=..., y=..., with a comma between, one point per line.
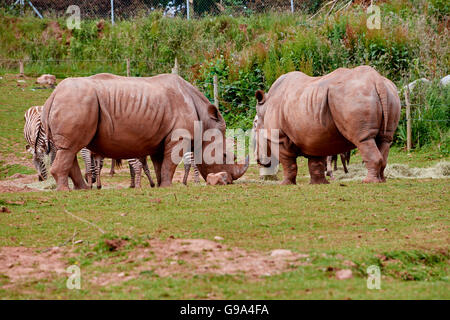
x=38, y=144
x=345, y=159
x=136, y=166
x=188, y=160
x=94, y=164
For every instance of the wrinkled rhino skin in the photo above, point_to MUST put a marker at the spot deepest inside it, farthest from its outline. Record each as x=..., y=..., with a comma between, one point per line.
x=332, y=114
x=122, y=118
x=220, y=178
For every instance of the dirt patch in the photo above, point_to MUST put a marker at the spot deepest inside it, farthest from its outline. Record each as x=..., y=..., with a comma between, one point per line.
x=187, y=257
x=18, y=183
x=20, y=264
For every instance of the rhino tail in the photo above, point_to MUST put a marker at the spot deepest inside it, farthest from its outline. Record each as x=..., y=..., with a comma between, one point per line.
x=382, y=93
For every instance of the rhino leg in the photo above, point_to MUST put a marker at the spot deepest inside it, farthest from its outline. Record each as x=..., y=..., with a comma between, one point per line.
x=316, y=166
x=167, y=171
x=372, y=159
x=76, y=176
x=289, y=164
x=157, y=164
x=66, y=165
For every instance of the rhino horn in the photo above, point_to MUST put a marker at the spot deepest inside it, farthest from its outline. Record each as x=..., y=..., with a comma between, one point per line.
x=240, y=169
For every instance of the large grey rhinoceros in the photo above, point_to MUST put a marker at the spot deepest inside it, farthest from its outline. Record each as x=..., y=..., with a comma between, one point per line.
x=320, y=116
x=121, y=118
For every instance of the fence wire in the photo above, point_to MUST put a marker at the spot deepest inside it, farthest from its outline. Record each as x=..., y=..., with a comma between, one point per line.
x=125, y=9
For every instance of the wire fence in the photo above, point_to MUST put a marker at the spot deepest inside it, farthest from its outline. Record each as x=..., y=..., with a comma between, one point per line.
x=124, y=9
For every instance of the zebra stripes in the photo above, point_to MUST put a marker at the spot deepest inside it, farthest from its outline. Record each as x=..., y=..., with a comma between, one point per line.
x=136, y=166
x=38, y=144
x=94, y=164
x=188, y=160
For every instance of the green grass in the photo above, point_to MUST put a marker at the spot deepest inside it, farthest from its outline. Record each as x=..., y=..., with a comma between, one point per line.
x=401, y=226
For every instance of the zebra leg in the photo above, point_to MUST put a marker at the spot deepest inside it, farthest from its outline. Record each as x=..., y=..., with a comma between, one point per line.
x=98, y=170
x=147, y=171
x=132, y=174
x=329, y=167
x=138, y=169
x=342, y=155
x=196, y=173
x=334, y=159
x=112, y=172
x=187, y=168
x=87, y=158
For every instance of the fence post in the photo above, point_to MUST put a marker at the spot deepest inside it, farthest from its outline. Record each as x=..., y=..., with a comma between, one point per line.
x=21, y=70
x=187, y=8
x=216, y=92
x=408, y=119
x=128, y=67
x=292, y=6
x=112, y=11
x=175, y=67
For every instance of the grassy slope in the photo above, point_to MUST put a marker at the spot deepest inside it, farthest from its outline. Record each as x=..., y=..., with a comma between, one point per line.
x=333, y=219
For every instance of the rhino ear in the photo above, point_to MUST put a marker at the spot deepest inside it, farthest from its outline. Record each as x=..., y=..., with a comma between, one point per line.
x=260, y=96
x=213, y=112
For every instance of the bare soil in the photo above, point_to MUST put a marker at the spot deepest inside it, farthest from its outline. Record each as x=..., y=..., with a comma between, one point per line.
x=20, y=264
x=187, y=257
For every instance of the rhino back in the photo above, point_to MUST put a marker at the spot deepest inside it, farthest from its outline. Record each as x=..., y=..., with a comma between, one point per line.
x=300, y=106
x=136, y=115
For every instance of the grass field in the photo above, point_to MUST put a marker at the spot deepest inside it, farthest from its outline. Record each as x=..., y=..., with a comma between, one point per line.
x=400, y=226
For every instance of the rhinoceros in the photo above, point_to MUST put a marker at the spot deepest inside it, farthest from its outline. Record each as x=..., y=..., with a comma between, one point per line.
x=122, y=118
x=319, y=116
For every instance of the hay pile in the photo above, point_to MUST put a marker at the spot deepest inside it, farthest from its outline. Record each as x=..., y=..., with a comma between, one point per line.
x=358, y=171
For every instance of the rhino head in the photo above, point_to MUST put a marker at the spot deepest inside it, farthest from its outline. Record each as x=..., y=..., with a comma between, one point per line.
x=234, y=170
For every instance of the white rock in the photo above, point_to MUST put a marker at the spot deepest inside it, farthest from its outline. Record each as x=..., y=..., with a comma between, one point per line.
x=445, y=80
x=280, y=252
x=344, y=274
x=413, y=84
x=218, y=238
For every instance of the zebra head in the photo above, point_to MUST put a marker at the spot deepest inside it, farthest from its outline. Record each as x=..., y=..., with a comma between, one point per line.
x=38, y=162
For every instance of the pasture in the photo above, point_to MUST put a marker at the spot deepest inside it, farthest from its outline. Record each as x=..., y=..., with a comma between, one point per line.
x=138, y=243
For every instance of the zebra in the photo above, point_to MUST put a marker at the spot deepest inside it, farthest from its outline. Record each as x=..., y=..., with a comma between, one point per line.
x=345, y=159
x=94, y=164
x=136, y=165
x=38, y=144
x=188, y=160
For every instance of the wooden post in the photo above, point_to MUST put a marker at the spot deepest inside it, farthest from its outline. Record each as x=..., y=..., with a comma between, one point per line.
x=128, y=67
x=21, y=72
x=175, y=67
x=408, y=119
x=216, y=92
